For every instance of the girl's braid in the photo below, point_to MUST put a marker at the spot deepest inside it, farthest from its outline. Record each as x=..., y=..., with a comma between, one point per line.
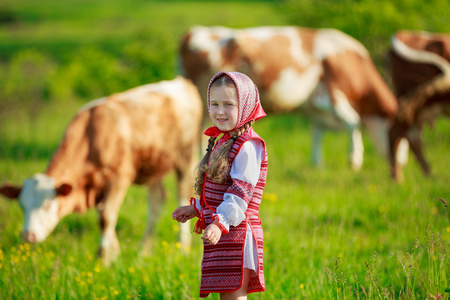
x=217, y=169
x=211, y=142
x=242, y=129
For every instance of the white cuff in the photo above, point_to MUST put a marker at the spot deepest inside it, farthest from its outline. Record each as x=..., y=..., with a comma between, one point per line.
x=231, y=211
x=223, y=221
x=197, y=205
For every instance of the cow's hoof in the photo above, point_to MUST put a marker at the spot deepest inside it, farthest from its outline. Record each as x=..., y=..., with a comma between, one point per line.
x=108, y=256
x=146, y=249
x=356, y=167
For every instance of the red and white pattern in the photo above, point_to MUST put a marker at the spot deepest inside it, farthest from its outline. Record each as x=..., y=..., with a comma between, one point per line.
x=223, y=263
x=242, y=189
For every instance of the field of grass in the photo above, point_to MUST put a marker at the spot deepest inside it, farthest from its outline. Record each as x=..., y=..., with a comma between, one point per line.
x=313, y=219
x=330, y=233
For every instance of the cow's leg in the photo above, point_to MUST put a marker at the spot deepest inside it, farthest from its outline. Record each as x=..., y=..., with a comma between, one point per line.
x=414, y=137
x=317, y=153
x=347, y=114
x=401, y=155
x=397, y=148
x=185, y=190
x=108, y=211
x=156, y=197
x=356, y=149
x=185, y=176
x=378, y=128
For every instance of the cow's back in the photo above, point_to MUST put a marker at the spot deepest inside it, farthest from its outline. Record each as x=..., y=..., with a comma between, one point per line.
x=163, y=124
x=268, y=55
x=139, y=133
x=286, y=63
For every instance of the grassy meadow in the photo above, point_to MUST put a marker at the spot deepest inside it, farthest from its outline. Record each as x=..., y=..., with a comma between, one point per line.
x=330, y=233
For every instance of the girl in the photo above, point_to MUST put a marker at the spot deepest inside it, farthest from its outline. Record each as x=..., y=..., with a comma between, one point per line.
x=230, y=182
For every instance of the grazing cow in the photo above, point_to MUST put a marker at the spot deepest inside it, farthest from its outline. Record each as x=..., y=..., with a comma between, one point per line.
x=323, y=73
x=420, y=71
x=137, y=136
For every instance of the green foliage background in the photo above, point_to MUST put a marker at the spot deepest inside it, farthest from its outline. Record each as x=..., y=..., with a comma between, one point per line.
x=330, y=233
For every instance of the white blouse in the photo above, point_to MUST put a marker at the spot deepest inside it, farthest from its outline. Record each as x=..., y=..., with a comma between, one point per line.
x=246, y=167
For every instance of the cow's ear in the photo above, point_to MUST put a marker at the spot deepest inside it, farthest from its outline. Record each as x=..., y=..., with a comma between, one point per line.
x=64, y=189
x=10, y=191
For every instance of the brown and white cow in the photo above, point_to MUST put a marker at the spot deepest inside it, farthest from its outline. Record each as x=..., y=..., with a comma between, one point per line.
x=420, y=69
x=323, y=73
x=137, y=136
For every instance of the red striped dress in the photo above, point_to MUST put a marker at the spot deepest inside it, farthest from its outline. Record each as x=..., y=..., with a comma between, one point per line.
x=223, y=263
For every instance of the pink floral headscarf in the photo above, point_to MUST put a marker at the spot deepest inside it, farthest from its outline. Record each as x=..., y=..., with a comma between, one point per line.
x=249, y=105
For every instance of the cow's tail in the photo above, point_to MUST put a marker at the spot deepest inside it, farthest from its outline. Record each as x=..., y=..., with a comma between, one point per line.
x=416, y=98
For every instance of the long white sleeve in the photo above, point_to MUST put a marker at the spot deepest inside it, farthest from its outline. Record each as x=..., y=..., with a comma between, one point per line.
x=246, y=167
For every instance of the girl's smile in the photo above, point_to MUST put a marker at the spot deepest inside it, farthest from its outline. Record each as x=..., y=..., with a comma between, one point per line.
x=223, y=107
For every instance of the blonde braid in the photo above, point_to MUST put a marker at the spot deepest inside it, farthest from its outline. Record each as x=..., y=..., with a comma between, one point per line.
x=217, y=169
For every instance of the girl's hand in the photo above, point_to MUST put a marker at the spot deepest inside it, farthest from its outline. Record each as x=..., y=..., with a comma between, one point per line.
x=184, y=213
x=212, y=233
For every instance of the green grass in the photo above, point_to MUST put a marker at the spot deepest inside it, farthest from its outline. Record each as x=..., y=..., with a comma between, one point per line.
x=330, y=233
x=322, y=225
x=323, y=214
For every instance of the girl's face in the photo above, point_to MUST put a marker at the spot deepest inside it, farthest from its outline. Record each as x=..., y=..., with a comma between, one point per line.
x=223, y=107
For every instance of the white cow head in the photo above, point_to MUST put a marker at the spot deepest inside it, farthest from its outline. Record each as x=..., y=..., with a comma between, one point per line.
x=37, y=198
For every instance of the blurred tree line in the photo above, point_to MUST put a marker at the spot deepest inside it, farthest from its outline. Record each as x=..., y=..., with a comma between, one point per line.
x=54, y=69
x=31, y=77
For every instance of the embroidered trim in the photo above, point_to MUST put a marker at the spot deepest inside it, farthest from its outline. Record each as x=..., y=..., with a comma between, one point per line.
x=242, y=189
